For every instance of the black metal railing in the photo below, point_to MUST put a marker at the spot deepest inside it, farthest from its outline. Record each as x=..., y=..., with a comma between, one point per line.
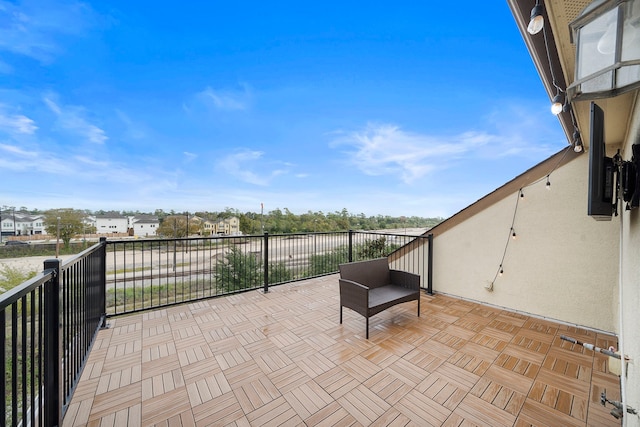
x=145, y=274
x=47, y=325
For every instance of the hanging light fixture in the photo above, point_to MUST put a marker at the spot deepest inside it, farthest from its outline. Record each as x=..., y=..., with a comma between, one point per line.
x=556, y=104
x=577, y=142
x=548, y=183
x=537, y=20
x=607, y=38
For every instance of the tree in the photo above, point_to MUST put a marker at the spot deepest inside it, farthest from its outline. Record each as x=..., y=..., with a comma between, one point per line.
x=70, y=223
x=176, y=226
x=279, y=273
x=328, y=262
x=238, y=270
x=375, y=248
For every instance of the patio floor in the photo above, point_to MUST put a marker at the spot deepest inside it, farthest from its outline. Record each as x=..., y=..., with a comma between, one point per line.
x=282, y=358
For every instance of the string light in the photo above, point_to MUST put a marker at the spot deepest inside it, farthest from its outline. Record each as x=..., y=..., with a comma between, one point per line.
x=577, y=141
x=556, y=104
x=537, y=20
x=536, y=24
x=559, y=104
x=512, y=231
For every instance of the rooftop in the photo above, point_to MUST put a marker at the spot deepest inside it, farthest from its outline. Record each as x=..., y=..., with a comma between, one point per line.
x=282, y=358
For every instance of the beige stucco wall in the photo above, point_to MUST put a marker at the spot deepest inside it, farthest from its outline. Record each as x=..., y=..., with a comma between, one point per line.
x=563, y=264
x=630, y=278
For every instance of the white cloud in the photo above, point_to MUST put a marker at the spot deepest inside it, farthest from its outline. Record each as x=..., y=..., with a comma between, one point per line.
x=32, y=161
x=133, y=130
x=33, y=29
x=237, y=165
x=226, y=100
x=92, y=163
x=12, y=149
x=250, y=167
x=388, y=150
x=71, y=118
x=17, y=124
x=189, y=156
x=513, y=131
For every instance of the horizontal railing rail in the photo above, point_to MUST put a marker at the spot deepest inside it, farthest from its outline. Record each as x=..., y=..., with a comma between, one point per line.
x=145, y=274
x=49, y=323
x=22, y=314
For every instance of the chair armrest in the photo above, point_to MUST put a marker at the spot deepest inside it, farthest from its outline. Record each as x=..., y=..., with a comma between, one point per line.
x=405, y=279
x=354, y=295
x=352, y=287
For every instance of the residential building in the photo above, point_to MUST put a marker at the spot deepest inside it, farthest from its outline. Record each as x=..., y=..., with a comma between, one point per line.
x=228, y=226
x=21, y=224
x=111, y=222
x=144, y=225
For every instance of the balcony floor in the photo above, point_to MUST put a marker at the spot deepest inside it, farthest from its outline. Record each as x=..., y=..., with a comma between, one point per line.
x=282, y=358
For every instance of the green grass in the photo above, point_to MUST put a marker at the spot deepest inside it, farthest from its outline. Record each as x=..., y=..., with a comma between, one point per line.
x=10, y=277
x=156, y=295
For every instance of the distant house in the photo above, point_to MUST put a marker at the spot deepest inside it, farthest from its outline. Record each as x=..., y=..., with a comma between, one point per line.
x=111, y=222
x=21, y=224
x=144, y=225
x=208, y=227
x=227, y=226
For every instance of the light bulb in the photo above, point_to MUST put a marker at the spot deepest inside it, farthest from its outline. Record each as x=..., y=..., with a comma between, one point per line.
x=501, y=272
x=513, y=235
x=548, y=184
x=577, y=142
x=607, y=43
x=556, y=106
x=537, y=20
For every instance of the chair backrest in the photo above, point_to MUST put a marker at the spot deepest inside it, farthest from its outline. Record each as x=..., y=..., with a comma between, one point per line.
x=372, y=273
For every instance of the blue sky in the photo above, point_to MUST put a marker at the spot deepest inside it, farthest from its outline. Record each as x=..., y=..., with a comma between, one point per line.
x=392, y=108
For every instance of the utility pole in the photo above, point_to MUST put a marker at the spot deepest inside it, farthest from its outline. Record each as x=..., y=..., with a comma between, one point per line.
x=58, y=238
x=261, y=220
x=13, y=209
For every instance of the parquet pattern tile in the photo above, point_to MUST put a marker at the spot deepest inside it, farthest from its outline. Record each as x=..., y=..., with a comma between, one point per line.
x=282, y=358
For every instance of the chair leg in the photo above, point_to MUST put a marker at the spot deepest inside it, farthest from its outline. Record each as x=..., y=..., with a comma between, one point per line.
x=341, y=315
x=367, y=328
x=418, y=305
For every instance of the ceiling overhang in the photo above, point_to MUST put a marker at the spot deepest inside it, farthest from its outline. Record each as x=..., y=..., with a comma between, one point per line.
x=560, y=61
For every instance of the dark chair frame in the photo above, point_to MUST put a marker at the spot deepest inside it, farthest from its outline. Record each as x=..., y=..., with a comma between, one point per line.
x=370, y=287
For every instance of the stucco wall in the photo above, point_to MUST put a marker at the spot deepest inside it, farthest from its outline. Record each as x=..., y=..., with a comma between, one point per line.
x=563, y=264
x=630, y=305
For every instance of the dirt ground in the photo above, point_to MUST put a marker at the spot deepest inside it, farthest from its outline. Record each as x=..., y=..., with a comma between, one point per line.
x=25, y=264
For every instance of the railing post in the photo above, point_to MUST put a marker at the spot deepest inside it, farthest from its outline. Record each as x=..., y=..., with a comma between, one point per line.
x=430, y=265
x=350, y=245
x=266, y=262
x=103, y=281
x=53, y=397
